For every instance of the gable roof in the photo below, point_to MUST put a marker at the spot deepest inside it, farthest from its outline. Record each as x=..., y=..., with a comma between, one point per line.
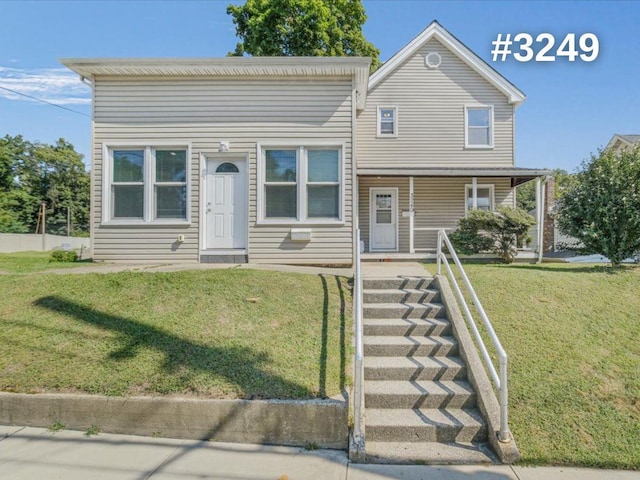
x=358, y=67
x=626, y=140
x=460, y=50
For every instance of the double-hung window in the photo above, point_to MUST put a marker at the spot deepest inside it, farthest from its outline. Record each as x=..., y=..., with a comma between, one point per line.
x=387, y=122
x=146, y=184
x=301, y=184
x=479, y=126
x=484, y=197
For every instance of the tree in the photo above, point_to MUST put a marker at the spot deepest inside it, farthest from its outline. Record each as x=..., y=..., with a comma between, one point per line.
x=526, y=193
x=602, y=208
x=32, y=173
x=498, y=232
x=302, y=28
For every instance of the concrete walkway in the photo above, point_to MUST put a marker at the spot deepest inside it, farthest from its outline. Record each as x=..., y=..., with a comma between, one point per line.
x=32, y=453
x=369, y=269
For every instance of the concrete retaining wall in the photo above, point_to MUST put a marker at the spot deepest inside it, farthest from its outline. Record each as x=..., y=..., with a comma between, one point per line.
x=29, y=242
x=276, y=422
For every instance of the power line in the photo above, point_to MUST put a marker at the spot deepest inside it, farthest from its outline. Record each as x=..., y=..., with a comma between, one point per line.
x=44, y=101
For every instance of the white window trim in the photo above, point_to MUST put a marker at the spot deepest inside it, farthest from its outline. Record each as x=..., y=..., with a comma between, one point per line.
x=149, y=182
x=492, y=199
x=379, y=134
x=301, y=181
x=466, y=126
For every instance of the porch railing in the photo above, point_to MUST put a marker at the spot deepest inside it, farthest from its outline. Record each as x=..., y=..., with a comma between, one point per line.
x=499, y=379
x=358, y=394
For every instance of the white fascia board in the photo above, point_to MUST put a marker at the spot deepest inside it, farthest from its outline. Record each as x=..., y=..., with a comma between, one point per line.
x=435, y=30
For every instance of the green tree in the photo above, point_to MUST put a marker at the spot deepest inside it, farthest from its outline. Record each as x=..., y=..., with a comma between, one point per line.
x=526, y=193
x=302, y=28
x=498, y=232
x=602, y=207
x=32, y=173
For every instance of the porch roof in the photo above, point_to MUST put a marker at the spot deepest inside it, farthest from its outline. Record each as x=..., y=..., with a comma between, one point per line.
x=517, y=175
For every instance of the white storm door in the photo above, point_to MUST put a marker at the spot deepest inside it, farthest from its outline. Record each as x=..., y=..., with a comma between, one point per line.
x=226, y=205
x=384, y=219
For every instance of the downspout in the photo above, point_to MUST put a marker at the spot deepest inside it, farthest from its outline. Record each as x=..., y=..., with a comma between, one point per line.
x=355, y=185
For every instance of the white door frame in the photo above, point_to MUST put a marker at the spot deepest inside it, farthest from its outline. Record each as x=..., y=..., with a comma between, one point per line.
x=394, y=212
x=221, y=158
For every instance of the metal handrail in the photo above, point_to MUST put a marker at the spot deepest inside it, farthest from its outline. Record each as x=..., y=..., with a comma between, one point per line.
x=358, y=424
x=499, y=379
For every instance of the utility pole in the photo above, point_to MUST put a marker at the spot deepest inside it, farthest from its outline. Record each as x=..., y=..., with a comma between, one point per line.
x=68, y=221
x=43, y=206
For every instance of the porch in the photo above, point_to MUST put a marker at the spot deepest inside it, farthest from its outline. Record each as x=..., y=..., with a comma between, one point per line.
x=400, y=211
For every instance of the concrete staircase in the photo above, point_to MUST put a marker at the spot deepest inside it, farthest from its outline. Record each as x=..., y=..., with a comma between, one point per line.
x=419, y=406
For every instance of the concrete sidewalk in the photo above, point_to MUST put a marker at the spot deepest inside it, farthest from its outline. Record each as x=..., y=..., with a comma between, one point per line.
x=34, y=453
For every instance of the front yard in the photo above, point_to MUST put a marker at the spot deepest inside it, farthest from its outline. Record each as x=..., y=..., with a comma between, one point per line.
x=573, y=338
x=216, y=334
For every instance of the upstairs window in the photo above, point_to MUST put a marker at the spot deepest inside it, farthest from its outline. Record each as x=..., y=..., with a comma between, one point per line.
x=387, y=121
x=479, y=127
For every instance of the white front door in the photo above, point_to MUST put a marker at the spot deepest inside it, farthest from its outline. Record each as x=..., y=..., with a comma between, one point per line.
x=226, y=204
x=384, y=219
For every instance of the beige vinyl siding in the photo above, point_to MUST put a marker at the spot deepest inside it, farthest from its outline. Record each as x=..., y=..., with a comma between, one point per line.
x=438, y=203
x=431, y=119
x=201, y=112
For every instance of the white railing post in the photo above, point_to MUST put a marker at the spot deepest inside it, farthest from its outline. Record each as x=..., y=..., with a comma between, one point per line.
x=504, y=435
x=499, y=379
x=358, y=393
x=438, y=252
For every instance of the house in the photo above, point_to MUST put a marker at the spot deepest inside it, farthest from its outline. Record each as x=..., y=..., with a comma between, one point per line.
x=619, y=141
x=280, y=159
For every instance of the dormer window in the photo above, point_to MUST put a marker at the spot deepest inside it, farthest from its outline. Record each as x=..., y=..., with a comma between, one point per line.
x=387, y=122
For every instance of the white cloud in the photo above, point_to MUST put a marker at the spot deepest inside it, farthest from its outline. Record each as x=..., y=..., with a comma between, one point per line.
x=55, y=85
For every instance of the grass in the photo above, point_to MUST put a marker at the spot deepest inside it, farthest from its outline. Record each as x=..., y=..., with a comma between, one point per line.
x=573, y=338
x=28, y=262
x=214, y=334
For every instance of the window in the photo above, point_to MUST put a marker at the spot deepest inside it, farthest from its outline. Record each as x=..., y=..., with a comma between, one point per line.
x=301, y=184
x=479, y=127
x=387, y=122
x=146, y=184
x=484, y=197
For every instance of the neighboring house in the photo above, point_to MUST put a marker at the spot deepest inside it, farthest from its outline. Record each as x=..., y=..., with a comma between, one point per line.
x=280, y=159
x=619, y=141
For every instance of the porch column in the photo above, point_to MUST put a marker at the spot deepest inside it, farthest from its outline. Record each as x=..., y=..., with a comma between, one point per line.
x=411, y=206
x=538, y=216
x=474, y=193
x=541, y=224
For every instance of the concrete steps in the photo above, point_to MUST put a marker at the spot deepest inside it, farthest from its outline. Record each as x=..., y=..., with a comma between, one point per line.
x=425, y=425
x=429, y=453
x=419, y=406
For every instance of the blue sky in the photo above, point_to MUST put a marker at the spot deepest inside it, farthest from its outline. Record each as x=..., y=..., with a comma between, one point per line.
x=572, y=109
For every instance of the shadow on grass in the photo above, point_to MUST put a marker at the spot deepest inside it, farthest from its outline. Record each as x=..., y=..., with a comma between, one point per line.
x=322, y=381
x=239, y=365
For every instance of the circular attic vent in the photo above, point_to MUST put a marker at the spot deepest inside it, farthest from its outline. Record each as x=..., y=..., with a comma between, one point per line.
x=432, y=60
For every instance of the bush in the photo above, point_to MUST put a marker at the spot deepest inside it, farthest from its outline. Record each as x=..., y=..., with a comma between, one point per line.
x=63, y=256
x=497, y=232
x=602, y=208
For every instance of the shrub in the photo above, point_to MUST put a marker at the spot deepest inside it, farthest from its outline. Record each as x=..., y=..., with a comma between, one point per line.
x=602, y=208
x=498, y=232
x=63, y=256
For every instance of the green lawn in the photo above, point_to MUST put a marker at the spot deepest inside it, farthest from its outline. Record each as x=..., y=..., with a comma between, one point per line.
x=217, y=333
x=27, y=262
x=572, y=333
